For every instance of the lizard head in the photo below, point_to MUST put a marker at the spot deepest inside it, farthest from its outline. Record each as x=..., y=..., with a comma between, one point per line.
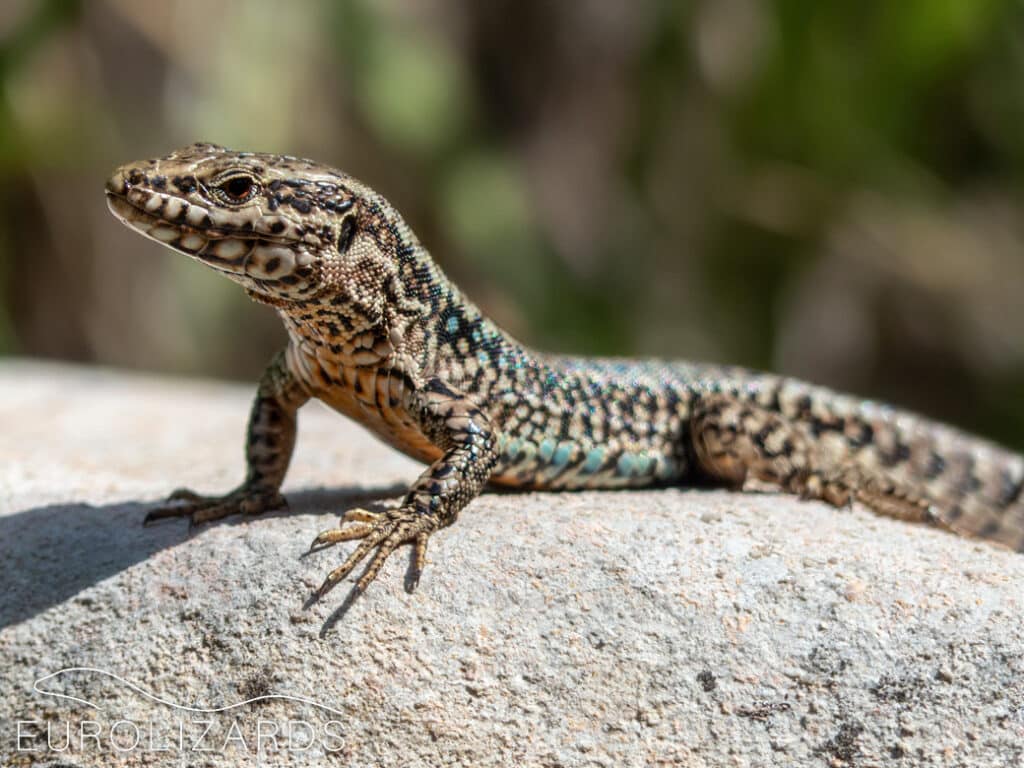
x=279, y=225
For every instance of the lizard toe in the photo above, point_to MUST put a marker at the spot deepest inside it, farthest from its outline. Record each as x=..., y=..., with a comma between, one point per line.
x=202, y=509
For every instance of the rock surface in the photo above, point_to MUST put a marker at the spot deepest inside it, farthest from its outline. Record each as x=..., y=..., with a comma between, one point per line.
x=671, y=627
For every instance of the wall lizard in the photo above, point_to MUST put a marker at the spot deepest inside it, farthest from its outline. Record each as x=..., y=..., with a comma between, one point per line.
x=377, y=332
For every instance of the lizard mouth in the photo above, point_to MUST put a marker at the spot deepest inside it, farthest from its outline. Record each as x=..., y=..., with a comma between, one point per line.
x=189, y=229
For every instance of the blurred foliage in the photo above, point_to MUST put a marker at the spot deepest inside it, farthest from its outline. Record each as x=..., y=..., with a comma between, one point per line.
x=832, y=190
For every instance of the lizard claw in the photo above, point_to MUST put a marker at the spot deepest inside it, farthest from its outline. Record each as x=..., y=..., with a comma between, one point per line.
x=333, y=535
x=360, y=515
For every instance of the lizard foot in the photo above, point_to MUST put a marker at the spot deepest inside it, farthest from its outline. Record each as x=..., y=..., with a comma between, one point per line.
x=202, y=509
x=842, y=488
x=833, y=488
x=385, y=531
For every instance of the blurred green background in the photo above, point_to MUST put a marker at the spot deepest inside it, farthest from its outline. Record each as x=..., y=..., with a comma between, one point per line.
x=828, y=189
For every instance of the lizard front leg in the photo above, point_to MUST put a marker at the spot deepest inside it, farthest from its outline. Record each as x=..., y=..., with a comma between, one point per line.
x=268, y=449
x=454, y=424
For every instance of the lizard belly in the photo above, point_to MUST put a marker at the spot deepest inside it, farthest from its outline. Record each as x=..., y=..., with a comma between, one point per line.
x=392, y=425
x=371, y=396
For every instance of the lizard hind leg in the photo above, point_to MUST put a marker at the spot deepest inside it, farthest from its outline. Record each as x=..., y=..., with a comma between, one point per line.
x=736, y=440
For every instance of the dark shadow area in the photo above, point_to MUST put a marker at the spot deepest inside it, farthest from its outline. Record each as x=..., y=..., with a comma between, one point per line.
x=49, y=554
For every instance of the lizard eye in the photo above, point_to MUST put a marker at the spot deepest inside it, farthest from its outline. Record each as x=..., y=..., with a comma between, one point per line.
x=237, y=189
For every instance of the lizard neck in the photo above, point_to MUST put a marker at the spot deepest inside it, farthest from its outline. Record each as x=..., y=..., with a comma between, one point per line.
x=436, y=333
x=338, y=336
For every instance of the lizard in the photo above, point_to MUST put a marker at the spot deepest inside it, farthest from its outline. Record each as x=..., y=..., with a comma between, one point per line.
x=379, y=333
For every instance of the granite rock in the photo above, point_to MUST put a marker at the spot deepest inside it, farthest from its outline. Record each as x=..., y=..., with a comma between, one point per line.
x=667, y=627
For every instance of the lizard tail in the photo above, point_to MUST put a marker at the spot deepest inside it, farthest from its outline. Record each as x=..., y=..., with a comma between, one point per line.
x=820, y=444
x=971, y=486
x=908, y=466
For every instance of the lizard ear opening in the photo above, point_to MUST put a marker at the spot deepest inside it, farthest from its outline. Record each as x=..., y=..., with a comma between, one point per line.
x=348, y=230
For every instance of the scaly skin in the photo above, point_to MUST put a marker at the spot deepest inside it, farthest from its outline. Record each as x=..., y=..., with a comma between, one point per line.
x=379, y=333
